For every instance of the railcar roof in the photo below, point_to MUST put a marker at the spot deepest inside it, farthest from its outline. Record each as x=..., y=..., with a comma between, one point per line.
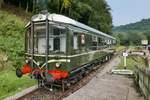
x=67, y=20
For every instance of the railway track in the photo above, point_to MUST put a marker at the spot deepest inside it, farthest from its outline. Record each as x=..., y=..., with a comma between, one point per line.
x=57, y=94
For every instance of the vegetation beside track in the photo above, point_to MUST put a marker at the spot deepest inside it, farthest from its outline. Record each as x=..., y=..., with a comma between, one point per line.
x=120, y=48
x=10, y=84
x=11, y=54
x=131, y=62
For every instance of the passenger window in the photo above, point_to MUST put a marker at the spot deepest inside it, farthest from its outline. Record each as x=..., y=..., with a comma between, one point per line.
x=100, y=43
x=94, y=42
x=75, y=41
x=78, y=42
x=81, y=42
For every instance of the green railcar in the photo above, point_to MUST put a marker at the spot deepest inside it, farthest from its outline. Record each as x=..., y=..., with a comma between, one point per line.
x=56, y=46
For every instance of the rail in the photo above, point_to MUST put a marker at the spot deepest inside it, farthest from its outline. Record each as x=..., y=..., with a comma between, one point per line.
x=41, y=92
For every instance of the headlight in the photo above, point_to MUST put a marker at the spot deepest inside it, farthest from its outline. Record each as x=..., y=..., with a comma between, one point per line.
x=38, y=63
x=58, y=65
x=27, y=61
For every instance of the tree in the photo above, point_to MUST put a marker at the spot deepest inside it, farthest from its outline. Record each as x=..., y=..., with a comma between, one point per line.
x=1, y=2
x=122, y=38
x=65, y=4
x=147, y=34
x=101, y=18
x=93, y=13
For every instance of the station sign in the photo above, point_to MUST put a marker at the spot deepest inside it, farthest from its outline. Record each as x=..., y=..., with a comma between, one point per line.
x=125, y=54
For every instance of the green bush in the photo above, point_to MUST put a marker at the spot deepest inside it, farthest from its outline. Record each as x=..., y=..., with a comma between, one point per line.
x=131, y=62
x=12, y=44
x=12, y=36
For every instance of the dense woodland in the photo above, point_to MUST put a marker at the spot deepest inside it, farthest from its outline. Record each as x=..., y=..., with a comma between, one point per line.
x=132, y=34
x=93, y=13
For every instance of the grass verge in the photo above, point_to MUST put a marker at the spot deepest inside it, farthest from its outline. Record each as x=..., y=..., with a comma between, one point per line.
x=120, y=48
x=12, y=45
x=10, y=84
x=131, y=62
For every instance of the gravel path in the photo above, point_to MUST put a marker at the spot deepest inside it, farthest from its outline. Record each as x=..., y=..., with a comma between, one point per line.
x=105, y=86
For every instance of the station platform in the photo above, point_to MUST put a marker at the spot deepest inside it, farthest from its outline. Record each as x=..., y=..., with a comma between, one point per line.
x=106, y=86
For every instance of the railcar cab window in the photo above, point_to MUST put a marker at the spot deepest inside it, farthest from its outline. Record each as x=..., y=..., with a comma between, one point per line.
x=57, y=39
x=28, y=40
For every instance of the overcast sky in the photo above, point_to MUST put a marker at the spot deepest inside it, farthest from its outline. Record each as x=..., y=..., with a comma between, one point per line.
x=129, y=11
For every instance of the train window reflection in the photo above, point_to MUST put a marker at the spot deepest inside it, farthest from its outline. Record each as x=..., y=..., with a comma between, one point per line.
x=57, y=40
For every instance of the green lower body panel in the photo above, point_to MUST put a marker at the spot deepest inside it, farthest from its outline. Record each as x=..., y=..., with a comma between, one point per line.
x=69, y=63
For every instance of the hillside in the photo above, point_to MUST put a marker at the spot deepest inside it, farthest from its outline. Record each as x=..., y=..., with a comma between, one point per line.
x=141, y=26
x=12, y=48
x=132, y=34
